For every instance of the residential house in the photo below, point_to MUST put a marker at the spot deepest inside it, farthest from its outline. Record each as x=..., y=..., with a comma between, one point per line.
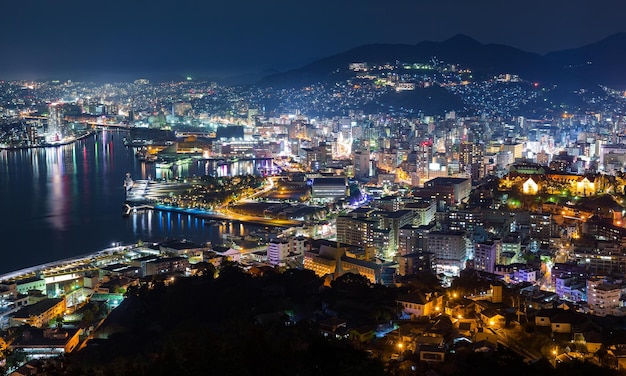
x=432, y=354
x=418, y=304
x=491, y=317
x=334, y=328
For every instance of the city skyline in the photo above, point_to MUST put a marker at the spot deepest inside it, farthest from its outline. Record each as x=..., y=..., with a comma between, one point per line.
x=45, y=39
x=408, y=187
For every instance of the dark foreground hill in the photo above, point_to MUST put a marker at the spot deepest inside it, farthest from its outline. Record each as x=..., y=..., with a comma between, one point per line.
x=244, y=325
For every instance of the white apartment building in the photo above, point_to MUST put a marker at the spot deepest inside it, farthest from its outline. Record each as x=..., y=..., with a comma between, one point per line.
x=279, y=250
x=602, y=297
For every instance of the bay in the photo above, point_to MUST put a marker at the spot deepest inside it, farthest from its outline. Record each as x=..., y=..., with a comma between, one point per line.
x=65, y=201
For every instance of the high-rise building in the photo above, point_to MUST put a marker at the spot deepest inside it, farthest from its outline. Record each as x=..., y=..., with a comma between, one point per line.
x=471, y=159
x=316, y=158
x=486, y=255
x=504, y=159
x=361, y=164
x=55, y=123
x=460, y=219
x=32, y=135
x=423, y=159
x=394, y=221
x=412, y=239
x=356, y=230
x=450, y=250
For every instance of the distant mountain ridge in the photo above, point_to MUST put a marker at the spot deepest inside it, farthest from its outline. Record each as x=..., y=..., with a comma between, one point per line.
x=603, y=62
x=485, y=60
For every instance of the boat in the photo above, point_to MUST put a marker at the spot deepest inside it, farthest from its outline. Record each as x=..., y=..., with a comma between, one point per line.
x=128, y=182
x=137, y=142
x=231, y=237
x=252, y=238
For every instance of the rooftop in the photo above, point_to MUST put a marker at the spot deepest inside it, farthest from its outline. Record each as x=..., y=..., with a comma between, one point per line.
x=45, y=337
x=443, y=181
x=37, y=308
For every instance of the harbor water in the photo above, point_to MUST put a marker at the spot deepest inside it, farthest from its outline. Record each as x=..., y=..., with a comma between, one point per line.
x=60, y=202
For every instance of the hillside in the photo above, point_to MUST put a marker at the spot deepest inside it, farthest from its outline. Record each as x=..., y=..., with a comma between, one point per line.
x=601, y=62
x=485, y=61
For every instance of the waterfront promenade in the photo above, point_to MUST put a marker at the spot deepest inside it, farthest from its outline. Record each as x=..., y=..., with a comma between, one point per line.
x=145, y=194
x=65, y=265
x=65, y=141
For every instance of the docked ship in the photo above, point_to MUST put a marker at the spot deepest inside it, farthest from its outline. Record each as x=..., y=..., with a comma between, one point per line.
x=128, y=182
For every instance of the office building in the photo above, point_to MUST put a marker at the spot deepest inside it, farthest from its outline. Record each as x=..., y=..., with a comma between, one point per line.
x=450, y=250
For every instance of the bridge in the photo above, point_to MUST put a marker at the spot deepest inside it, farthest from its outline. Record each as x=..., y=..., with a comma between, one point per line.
x=133, y=209
x=97, y=125
x=203, y=134
x=93, y=124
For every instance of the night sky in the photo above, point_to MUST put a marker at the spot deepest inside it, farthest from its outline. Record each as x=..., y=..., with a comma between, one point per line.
x=41, y=38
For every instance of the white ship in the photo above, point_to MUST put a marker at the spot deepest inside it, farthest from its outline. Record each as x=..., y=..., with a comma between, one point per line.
x=128, y=182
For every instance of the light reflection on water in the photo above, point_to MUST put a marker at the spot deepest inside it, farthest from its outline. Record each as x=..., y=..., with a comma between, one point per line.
x=65, y=201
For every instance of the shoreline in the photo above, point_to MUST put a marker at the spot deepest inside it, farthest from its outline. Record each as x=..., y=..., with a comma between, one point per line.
x=63, y=143
x=38, y=268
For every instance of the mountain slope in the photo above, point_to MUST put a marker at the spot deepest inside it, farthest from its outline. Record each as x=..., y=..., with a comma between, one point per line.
x=602, y=62
x=485, y=60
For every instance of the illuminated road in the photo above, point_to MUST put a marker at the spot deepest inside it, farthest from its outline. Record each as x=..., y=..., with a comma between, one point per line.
x=223, y=212
x=228, y=215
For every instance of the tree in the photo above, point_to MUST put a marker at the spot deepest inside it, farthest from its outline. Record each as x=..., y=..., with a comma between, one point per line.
x=15, y=358
x=88, y=316
x=59, y=321
x=351, y=279
x=206, y=269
